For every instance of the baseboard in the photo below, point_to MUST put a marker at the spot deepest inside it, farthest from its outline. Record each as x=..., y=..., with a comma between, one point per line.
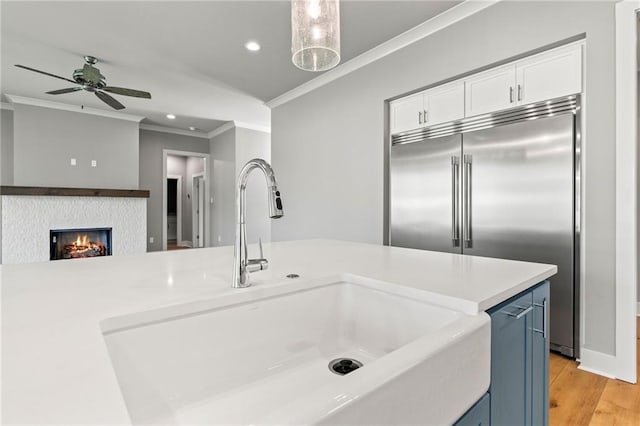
x=597, y=363
x=185, y=243
x=638, y=309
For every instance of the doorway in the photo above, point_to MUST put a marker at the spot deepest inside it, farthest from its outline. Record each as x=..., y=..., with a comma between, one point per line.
x=186, y=210
x=174, y=212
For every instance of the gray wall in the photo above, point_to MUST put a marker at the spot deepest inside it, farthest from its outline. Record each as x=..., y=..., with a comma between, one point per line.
x=252, y=144
x=151, y=146
x=6, y=146
x=6, y=156
x=328, y=145
x=46, y=139
x=223, y=157
x=229, y=152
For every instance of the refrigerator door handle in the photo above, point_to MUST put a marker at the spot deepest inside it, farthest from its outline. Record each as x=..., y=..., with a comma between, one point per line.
x=467, y=234
x=455, y=206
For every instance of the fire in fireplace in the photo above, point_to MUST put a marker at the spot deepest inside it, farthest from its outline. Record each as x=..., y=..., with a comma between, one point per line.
x=80, y=243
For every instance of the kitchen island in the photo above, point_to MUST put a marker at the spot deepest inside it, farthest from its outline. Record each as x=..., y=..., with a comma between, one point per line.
x=55, y=365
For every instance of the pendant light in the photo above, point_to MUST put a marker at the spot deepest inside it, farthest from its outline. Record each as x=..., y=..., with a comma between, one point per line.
x=315, y=34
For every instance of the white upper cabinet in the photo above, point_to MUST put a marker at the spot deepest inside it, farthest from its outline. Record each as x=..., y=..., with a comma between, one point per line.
x=547, y=75
x=445, y=103
x=438, y=105
x=407, y=113
x=550, y=75
x=490, y=90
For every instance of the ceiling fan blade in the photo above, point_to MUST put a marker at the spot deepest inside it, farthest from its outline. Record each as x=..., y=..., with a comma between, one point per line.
x=109, y=100
x=45, y=73
x=61, y=91
x=127, y=92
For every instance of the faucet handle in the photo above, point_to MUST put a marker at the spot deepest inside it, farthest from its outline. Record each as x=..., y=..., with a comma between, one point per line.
x=260, y=244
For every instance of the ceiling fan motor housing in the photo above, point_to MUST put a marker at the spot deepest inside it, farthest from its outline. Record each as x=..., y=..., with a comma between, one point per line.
x=89, y=77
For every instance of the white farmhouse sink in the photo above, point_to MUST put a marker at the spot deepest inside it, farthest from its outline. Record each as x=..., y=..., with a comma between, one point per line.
x=260, y=356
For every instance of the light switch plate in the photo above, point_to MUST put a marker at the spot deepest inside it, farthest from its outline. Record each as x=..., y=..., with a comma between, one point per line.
x=94, y=163
x=73, y=162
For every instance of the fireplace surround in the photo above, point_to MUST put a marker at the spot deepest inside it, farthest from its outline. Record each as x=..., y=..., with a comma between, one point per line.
x=30, y=213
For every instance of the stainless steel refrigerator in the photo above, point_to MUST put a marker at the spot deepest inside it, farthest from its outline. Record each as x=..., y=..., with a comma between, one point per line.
x=503, y=185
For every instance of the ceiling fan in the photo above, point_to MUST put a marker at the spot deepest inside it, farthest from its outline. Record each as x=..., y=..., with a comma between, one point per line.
x=89, y=78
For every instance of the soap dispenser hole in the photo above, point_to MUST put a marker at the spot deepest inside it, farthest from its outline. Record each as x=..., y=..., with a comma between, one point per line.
x=293, y=276
x=342, y=366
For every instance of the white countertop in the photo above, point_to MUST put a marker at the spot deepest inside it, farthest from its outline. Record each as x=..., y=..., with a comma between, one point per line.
x=55, y=365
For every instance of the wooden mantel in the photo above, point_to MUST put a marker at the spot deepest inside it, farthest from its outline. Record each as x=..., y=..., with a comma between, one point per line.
x=73, y=192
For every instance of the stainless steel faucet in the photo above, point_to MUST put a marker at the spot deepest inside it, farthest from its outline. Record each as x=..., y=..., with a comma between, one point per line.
x=242, y=265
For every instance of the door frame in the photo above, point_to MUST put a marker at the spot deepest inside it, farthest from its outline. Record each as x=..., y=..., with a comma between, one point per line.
x=194, y=207
x=207, y=190
x=626, y=189
x=178, y=208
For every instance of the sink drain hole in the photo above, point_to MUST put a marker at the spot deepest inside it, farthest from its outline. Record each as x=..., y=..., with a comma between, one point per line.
x=342, y=366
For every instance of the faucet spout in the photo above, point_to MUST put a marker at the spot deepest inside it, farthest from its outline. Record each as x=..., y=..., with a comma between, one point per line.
x=242, y=265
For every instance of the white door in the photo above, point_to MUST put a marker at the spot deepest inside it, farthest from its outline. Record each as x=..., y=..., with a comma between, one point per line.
x=201, y=211
x=407, y=113
x=490, y=91
x=445, y=103
x=550, y=75
x=198, y=211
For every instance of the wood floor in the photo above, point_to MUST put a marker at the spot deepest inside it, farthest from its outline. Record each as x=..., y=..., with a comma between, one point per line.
x=173, y=245
x=577, y=397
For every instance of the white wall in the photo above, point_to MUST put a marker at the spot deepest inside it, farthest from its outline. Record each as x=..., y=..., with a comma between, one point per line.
x=328, y=145
x=45, y=139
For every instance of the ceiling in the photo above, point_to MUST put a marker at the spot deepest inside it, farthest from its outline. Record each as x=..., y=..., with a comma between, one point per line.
x=189, y=55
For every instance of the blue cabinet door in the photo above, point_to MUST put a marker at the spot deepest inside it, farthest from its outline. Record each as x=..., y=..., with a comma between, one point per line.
x=540, y=356
x=478, y=415
x=511, y=362
x=520, y=359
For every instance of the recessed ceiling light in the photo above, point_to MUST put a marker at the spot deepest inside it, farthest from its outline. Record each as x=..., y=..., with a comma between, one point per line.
x=171, y=116
x=192, y=128
x=252, y=46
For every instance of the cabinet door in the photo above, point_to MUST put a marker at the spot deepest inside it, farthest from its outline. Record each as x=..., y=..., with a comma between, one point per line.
x=549, y=75
x=490, y=91
x=407, y=113
x=445, y=103
x=540, y=356
x=511, y=340
x=478, y=415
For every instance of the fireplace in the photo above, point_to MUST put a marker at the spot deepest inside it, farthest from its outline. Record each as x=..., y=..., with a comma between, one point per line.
x=79, y=243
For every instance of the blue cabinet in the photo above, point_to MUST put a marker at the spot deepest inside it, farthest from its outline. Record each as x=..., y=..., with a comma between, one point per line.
x=478, y=415
x=519, y=359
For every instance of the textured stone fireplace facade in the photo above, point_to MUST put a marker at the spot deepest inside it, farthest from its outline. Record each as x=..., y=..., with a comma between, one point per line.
x=27, y=220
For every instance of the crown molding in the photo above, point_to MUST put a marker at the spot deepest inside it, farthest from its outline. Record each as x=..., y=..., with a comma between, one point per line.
x=251, y=126
x=238, y=124
x=73, y=108
x=443, y=20
x=162, y=129
x=220, y=130
x=6, y=105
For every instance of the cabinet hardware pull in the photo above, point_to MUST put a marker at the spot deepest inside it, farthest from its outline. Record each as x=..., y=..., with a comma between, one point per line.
x=419, y=117
x=455, y=227
x=523, y=311
x=545, y=326
x=519, y=92
x=426, y=116
x=510, y=94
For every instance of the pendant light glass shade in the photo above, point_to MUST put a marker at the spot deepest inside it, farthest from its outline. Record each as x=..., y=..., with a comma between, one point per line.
x=315, y=34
